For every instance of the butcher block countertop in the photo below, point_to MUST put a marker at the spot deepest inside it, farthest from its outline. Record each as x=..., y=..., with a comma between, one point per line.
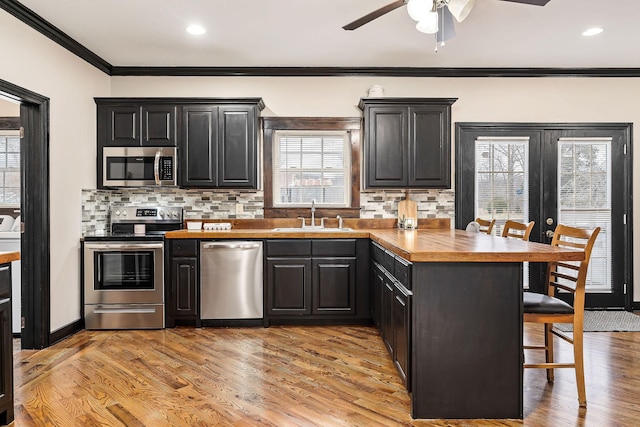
x=462, y=246
x=434, y=241
x=6, y=257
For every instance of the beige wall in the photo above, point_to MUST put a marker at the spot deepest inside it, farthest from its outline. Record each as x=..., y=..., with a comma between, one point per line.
x=41, y=66
x=9, y=109
x=35, y=63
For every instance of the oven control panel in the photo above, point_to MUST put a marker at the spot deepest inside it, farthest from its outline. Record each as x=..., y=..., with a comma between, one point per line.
x=145, y=214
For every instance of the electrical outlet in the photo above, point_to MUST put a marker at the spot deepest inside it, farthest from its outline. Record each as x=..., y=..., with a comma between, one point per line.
x=239, y=208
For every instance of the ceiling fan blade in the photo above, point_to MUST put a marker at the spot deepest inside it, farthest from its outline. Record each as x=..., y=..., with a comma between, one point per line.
x=446, y=29
x=533, y=2
x=375, y=14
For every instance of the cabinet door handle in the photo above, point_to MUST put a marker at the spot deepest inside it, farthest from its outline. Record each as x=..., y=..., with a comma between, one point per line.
x=5, y=268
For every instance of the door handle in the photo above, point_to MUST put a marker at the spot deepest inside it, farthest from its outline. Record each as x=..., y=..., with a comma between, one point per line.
x=549, y=233
x=156, y=167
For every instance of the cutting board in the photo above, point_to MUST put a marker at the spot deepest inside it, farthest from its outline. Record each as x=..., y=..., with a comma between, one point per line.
x=408, y=209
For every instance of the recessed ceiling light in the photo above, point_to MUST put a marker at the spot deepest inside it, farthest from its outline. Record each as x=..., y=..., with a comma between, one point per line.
x=593, y=31
x=196, y=29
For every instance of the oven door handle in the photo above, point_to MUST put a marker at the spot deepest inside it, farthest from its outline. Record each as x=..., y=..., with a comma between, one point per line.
x=124, y=246
x=156, y=167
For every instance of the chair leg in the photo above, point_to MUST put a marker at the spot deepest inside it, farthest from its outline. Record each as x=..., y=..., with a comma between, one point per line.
x=548, y=343
x=578, y=356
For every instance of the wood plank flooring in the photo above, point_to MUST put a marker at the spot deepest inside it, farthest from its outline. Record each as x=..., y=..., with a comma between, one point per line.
x=284, y=376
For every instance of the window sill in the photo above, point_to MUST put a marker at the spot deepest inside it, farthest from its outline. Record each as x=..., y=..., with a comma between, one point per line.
x=306, y=212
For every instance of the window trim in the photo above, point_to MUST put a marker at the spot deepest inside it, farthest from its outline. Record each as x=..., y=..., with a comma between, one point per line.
x=352, y=125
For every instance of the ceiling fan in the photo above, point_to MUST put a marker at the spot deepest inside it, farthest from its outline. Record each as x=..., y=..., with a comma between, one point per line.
x=433, y=16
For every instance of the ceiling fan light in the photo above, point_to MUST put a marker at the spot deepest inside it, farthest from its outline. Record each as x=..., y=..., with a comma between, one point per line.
x=460, y=8
x=429, y=24
x=418, y=9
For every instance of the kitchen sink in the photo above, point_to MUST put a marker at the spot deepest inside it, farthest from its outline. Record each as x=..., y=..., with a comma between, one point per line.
x=310, y=229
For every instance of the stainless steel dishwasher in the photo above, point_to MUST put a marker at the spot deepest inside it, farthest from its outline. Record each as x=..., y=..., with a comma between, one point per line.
x=231, y=280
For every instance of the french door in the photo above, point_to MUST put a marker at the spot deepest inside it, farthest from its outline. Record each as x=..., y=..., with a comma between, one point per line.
x=574, y=174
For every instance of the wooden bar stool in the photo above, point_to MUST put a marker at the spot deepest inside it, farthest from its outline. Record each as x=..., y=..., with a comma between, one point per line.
x=547, y=309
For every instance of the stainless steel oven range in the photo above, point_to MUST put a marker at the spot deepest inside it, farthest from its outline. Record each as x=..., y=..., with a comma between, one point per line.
x=124, y=270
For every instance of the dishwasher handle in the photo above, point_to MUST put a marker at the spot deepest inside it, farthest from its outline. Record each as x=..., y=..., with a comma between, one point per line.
x=231, y=245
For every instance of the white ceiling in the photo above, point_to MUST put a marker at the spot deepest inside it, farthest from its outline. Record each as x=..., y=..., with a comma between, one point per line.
x=308, y=33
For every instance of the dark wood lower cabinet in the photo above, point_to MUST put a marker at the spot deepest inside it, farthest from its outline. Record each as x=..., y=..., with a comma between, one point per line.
x=386, y=325
x=401, y=330
x=183, y=287
x=288, y=286
x=6, y=349
x=334, y=285
x=305, y=284
x=391, y=307
x=377, y=284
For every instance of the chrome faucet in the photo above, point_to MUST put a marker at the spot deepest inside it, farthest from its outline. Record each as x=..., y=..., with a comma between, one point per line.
x=313, y=212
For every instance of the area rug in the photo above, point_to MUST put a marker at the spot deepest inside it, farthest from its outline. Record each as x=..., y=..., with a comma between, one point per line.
x=606, y=321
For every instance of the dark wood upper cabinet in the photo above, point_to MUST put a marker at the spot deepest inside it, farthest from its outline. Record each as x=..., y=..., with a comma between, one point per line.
x=159, y=125
x=219, y=146
x=238, y=148
x=199, y=146
x=126, y=125
x=407, y=142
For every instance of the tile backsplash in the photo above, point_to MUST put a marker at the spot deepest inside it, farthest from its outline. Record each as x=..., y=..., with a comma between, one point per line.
x=222, y=204
x=384, y=203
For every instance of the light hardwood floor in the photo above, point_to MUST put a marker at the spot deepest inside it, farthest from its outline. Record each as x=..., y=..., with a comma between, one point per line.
x=284, y=376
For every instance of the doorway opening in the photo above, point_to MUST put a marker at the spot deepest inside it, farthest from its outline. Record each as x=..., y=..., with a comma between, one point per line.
x=34, y=211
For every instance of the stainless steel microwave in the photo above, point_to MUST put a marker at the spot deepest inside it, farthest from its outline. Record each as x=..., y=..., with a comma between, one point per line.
x=139, y=166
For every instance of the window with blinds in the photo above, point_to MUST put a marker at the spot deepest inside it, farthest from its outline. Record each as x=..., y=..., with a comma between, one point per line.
x=311, y=165
x=502, y=180
x=9, y=168
x=584, y=199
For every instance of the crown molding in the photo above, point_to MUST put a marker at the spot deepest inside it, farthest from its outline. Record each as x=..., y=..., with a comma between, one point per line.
x=41, y=25
x=373, y=71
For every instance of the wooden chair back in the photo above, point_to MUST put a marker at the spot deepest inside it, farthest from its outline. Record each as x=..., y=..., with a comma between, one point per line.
x=486, y=226
x=566, y=275
x=517, y=230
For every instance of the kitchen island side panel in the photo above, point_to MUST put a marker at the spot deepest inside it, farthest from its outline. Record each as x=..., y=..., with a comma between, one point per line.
x=467, y=340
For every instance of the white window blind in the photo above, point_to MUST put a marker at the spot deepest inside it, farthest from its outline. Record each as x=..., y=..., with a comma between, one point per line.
x=502, y=180
x=584, y=199
x=311, y=165
x=9, y=168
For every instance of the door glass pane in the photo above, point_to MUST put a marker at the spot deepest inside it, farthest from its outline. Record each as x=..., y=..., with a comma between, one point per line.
x=584, y=199
x=502, y=183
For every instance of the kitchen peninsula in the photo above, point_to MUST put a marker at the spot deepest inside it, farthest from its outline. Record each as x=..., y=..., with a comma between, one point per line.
x=463, y=295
